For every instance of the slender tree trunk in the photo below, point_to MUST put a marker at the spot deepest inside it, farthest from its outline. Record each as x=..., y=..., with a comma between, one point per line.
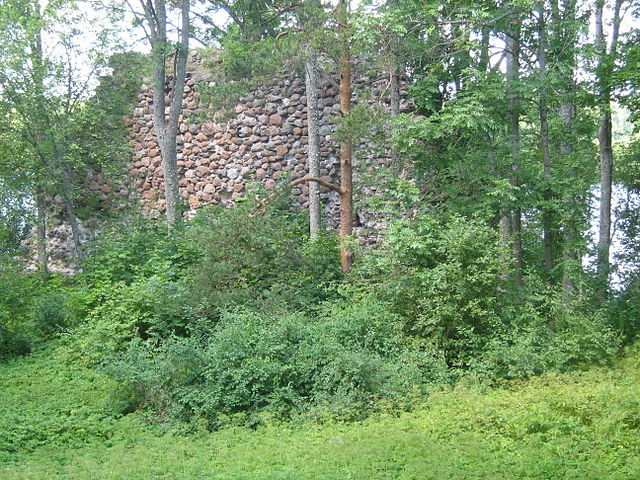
x=547, y=212
x=394, y=97
x=604, y=234
x=504, y=232
x=483, y=62
x=605, y=140
x=39, y=135
x=166, y=129
x=41, y=235
x=345, y=190
x=563, y=17
x=311, y=84
x=346, y=144
x=513, y=112
x=569, y=255
x=70, y=210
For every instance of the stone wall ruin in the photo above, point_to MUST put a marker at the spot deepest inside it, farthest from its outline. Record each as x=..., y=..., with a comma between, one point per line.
x=264, y=140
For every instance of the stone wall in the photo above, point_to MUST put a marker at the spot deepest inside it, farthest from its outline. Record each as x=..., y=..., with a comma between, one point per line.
x=264, y=140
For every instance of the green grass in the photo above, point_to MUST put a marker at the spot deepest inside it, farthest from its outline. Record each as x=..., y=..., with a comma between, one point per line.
x=55, y=424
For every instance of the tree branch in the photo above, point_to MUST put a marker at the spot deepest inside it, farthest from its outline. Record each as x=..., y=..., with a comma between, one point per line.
x=330, y=186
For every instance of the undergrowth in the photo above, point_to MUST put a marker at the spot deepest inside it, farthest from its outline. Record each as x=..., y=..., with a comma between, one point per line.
x=55, y=424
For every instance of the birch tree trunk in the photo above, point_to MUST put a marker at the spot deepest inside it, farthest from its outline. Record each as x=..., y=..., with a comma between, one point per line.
x=605, y=140
x=311, y=84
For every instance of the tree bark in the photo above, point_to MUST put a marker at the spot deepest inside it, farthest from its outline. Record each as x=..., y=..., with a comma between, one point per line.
x=563, y=26
x=70, y=210
x=547, y=212
x=604, y=234
x=569, y=254
x=345, y=190
x=504, y=232
x=311, y=84
x=513, y=112
x=346, y=143
x=166, y=129
x=394, y=81
x=605, y=140
x=41, y=234
x=394, y=95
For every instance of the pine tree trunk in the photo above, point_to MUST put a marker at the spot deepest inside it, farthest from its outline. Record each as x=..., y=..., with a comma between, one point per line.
x=346, y=146
x=311, y=84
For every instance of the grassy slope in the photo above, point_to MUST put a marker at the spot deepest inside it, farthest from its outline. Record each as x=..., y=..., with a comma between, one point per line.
x=54, y=424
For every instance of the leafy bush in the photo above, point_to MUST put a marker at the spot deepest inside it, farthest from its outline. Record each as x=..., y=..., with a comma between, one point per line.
x=442, y=277
x=17, y=289
x=13, y=343
x=342, y=360
x=153, y=307
x=574, y=340
x=132, y=287
x=135, y=249
x=255, y=256
x=54, y=308
x=142, y=282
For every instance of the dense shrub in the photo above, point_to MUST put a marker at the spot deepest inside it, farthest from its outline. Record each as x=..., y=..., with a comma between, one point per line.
x=153, y=307
x=442, y=277
x=135, y=249
x=624, y=309
x=18, y=288
x=13, y=343
x=142, y=282
x=563, y=340
x=258, y=256
x=236, y=315
x=132, y=287
x=340, y=360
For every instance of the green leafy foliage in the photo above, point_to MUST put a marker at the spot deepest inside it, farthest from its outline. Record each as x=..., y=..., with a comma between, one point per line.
x=442, y=277
x=16, y=289
x=133, y=287
x=256, y=256
x=48, y=402
x=341, y=360
x=582, y=425
x=531, y=346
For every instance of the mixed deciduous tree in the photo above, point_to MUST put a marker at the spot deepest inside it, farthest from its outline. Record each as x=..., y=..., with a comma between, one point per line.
x=43, y=93
x=167, y=101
